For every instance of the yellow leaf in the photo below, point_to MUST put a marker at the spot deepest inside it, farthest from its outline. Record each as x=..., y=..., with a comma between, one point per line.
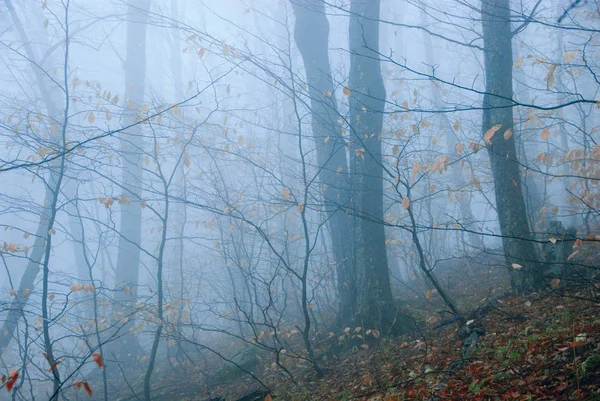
x=405, y=203
x=507, y=134
x=286, y=193
x=545, y=134
x=487, y=137
x=300, y=207
x=91, y=117
x=346, y=91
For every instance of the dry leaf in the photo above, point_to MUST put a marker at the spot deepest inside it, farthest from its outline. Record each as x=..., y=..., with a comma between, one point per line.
x=346, y=91
x=487, y=137
x=405, y=203
x=545, y=134
x=98, y=359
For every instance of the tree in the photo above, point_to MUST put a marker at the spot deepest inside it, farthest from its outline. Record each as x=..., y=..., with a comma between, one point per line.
x=311, y=35
x=497, y=126
x=375, y=304
x=132, y=144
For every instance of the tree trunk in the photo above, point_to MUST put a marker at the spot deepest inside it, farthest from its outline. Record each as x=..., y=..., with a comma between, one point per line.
x=375, y=305
x=311, y=35
x=128, y=258
x=520, y=253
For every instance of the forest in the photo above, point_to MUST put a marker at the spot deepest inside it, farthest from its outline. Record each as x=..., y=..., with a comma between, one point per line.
x=257, y=200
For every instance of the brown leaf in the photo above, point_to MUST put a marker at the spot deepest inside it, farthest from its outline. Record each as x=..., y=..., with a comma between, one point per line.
x=55, y=364
x=545, y=134
x=405, y=203
x=347, y=91
x=87, y=388
x=98, y=359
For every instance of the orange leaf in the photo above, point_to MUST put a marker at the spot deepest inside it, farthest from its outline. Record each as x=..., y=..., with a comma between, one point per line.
x=555, y=282
x=98, y=359
x=487, y=137
x=87, y=388
x=429, y=293
x=14, y=375
x=268, y=398
x=578, y=243
x=54, y=365
x=77, y=384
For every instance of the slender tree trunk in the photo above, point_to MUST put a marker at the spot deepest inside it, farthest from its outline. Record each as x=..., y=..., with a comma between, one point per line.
x=132, y=143
x=375, y=305
x=311, y=35
x=519, y=251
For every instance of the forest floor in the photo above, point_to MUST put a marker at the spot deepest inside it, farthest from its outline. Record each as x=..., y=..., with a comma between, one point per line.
x=535, y=347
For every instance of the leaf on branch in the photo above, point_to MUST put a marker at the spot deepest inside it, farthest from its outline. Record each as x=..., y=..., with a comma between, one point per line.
x=201, y=52
x=519, y=62
x=430, y=293
x=186, y=159
x=54, y=365
x=507, y=134
x=98, y=359
x=87, y=388
x=347, y=91
x=143, y=204
x=286, y=193
x=13, y=376
x=395, y=150
x=91, y=117
x=300, y=207
x=326, y=140
x=487, y=137
x=552, y=239
x=545, y=134
x=554, y=282
x=456, y=125
x=516, y=266
x=46, y=23
x=268, y=398
x=405, y=203
x=550, y=76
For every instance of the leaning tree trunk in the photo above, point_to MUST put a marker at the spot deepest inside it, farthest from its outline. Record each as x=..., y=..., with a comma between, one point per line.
x=311, y=35
x=375, y=304
x=132, y=143
x=519, y=251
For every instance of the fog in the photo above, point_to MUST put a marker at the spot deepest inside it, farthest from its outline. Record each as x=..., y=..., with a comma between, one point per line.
x=215, y=189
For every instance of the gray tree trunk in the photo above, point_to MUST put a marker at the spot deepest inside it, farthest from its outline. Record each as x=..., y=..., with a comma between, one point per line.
x=311, y=35
x=132, y=143
x=375, y=304
x=512, y=214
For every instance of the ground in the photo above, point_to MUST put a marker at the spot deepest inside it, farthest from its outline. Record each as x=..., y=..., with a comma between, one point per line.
x=543, y=346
